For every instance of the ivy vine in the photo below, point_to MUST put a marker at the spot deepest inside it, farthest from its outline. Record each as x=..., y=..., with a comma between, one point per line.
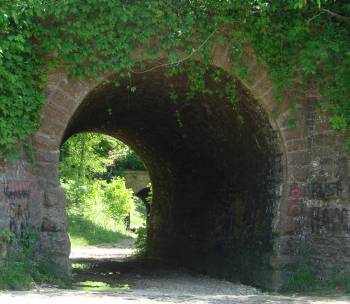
x=301, y=41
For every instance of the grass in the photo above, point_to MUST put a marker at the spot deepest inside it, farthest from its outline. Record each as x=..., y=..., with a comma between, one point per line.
x=81, y=266
x=97, y=229
x=15, y=274
x=138, y=214
x=305, y=282
x=100, y=286
x=22, y=272
x=85, y=232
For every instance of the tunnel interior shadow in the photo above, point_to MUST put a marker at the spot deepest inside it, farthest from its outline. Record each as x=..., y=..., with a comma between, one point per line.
x=215, y=167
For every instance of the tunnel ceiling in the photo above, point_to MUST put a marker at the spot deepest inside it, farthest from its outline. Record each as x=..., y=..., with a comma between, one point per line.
x=197, y=130
x=214, y=165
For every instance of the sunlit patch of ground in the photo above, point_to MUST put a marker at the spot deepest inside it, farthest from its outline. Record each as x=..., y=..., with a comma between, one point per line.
x=120, y=251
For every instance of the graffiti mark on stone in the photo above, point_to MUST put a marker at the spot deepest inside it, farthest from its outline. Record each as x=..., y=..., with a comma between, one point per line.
x=16, y=194
x=16, y=190
x=325, y=220
x=294, y=206
x=326, y=190
x=18, y=216
x=295, y=192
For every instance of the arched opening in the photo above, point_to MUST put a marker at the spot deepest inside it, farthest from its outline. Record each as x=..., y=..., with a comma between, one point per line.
x=215, y=169
x=101, y=204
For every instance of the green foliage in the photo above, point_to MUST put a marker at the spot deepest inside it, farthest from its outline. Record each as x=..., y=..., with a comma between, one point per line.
x=128, y=160
x=141, y=242
x=97, y=201
x=90, y=155
x=22, y=76
x=20, y=270
x=86, y=155
x=306, y=277
x=339, y=281
x=149, y=197
x=307, y=41
x=118, y=199
x=138, y=214
x=310, y=44
x=6, y=236
x=83, y=196
x=100, y=286
x=90, y=222
x=15, y=274
x=84, y=231
x=97, y=197
x=28, y=241
x=301, y=280
x=304, y=280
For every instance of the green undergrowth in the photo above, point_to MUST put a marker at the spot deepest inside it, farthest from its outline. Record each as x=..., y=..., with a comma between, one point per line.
x=305, y=280
x=138, y=214
x=95, y=227
x=306, y=277
x=85, y=232
x=141, y=242
x=21, y=271
x=99, y=204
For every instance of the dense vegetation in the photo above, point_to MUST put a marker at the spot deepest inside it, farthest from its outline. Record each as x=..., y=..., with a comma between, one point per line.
x=98, y=201
x=304, y=42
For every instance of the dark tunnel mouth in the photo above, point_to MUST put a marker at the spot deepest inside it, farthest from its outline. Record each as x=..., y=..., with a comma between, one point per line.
x=215, y=178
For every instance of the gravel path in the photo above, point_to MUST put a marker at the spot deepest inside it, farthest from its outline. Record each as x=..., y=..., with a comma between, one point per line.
x=150, y=284
x=187, y=294
x=121, y=251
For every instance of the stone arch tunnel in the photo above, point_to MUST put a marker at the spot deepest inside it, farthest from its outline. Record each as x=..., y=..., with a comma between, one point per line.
x=214, y=177
x=235, y=193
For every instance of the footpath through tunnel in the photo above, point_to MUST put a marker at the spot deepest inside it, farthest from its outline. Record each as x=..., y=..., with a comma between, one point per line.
x=214, y=167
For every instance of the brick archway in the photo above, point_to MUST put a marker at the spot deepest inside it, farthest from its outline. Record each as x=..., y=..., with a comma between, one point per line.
x=64, y=98
x=310, y=176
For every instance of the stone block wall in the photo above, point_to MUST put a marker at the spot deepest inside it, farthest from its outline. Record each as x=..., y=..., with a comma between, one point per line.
x=311, y=209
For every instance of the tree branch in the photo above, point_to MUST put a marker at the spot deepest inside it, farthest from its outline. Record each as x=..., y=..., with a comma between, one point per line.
x=336, y=15
x=177, y=62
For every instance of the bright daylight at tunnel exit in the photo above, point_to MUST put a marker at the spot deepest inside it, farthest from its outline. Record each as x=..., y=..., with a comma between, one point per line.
x=174, y=151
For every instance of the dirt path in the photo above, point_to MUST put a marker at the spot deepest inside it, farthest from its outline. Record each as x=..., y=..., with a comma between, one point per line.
x=121, y=251
x=132, y=282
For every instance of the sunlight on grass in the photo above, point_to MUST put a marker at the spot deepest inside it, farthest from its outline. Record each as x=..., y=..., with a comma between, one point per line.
x=81, y=266
x=97, y=228
x=85, y=232
x=100, y=286
x=138, y=214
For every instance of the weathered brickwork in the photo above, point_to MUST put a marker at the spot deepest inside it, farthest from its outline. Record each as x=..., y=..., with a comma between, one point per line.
x=311, y=194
